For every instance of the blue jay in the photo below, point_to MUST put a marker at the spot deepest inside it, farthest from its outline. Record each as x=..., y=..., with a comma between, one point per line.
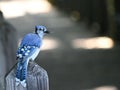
x=28, y=50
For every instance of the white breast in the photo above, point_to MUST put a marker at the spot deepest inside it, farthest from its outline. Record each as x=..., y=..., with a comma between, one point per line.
x=35, y=54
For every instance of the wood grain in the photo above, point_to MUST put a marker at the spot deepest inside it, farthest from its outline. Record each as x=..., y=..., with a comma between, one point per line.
x=37, y=79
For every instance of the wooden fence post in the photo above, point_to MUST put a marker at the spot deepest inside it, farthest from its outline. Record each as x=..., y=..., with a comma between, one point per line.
x=37, y=79
x=8, y=46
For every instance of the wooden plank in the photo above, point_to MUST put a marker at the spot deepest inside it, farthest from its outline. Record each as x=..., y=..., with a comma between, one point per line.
x=37, y=79
x=8, y=46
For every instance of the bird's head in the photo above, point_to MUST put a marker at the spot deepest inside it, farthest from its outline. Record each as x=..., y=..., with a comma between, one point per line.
x=41, y=30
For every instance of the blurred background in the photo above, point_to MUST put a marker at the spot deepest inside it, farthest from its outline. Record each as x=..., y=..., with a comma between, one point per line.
x=81, y=53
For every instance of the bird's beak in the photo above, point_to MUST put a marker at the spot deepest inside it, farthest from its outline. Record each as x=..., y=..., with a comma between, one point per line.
x=47, y=32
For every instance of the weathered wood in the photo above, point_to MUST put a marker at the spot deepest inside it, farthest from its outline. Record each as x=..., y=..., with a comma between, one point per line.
x=37, y=79
x=8, y=46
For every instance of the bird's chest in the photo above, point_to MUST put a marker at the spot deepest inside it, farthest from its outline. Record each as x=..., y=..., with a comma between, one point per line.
x=35, y=54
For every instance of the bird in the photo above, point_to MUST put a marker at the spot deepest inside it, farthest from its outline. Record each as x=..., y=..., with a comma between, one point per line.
x=29, y=49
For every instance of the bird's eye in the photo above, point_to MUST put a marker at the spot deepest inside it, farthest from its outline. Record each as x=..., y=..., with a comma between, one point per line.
x=41, y=29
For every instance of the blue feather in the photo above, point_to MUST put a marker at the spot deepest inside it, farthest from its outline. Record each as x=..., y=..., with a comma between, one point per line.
x=29, y=49
x=31, y=40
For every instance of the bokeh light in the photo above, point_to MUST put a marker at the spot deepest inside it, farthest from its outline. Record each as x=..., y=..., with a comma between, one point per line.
x=19, y=8
x=93, y=43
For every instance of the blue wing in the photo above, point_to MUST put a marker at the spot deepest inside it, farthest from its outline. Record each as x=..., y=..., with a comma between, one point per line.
x=31, y=40
x=23, y=53
x=29, y=44
x=26, y=51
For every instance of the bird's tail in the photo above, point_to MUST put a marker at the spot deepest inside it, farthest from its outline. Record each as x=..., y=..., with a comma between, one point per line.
x=18, y=81
x=18, y=72
x=21, y=73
